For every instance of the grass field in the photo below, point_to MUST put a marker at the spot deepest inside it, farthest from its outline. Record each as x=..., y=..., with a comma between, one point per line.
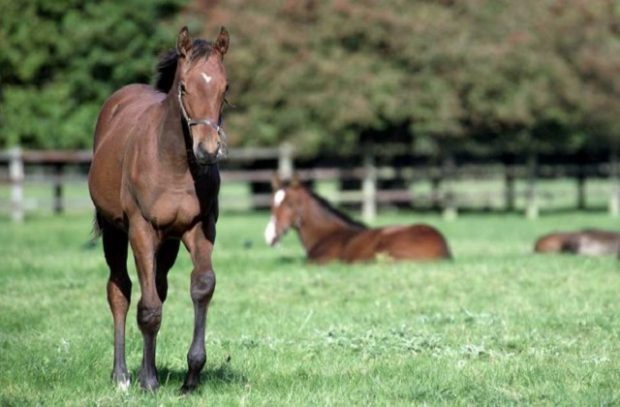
x=495, y=326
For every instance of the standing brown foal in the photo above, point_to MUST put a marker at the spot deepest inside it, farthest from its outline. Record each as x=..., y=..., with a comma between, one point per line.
x=329, y=235
x=154, y=181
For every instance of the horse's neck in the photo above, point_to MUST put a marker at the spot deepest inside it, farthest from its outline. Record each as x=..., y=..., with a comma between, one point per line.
x=318, y=223
x=172, y=148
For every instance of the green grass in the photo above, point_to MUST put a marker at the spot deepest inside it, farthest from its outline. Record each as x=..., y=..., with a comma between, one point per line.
x=496, y=326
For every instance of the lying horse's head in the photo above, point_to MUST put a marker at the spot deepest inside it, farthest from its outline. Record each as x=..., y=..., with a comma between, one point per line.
x=201, y=88
x=286, y=207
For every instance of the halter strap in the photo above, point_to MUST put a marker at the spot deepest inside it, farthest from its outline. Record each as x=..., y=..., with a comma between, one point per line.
x=193, y=122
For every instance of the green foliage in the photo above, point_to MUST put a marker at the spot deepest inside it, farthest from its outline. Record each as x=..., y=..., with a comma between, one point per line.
x=60, y=59
x=480, y=75
x=508, y=76
x=495, y=326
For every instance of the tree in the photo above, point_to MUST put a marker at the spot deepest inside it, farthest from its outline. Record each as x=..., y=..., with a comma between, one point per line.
x=483, y=76
x=59, y=60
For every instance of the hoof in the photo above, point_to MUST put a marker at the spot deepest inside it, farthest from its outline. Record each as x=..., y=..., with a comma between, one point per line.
x=190, y=384
x=148, y=382
x=188, y=388
x=121, y=380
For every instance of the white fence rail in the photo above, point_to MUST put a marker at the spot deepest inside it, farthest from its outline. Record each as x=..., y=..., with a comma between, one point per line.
x=443, y=194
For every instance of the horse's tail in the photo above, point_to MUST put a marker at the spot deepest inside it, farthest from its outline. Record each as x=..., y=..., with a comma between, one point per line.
x=95, y=233
x=97, y=228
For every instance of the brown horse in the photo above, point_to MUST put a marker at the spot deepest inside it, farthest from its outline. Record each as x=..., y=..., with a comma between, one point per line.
x=591, y=242
x=329, y=235
x=154, y=181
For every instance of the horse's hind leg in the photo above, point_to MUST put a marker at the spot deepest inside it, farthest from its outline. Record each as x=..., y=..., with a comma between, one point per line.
x=166, y=255
x=119, y=294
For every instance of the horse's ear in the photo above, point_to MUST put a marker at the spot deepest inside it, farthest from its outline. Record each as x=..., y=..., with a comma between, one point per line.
x=184, y=43
x=295, y=181
x=221, y=44
x=276, y=182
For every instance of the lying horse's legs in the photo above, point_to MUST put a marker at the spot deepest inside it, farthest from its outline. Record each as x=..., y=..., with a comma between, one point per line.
x=144, y=244
x=166, y=255
x=201, y=289
x=119, y=294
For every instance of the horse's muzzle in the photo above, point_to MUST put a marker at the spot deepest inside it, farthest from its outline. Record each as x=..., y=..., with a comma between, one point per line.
x=206, y=157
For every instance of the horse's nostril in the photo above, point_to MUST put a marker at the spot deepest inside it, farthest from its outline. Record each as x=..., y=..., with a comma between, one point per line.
x=204, y=156
x=201, y=153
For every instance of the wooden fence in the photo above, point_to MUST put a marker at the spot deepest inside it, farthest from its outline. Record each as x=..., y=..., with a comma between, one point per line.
x=443, y=195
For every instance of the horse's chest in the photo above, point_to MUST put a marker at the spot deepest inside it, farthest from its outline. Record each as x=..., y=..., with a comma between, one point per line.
x=174, y=211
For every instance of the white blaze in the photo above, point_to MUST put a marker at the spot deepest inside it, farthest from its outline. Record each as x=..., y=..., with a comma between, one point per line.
x=270, y=231
x=279, y=197
x=206, y=77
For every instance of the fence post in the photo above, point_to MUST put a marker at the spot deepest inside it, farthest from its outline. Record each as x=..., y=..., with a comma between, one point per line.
x=369, y=188
x=449, y=201
x=16, y=174
x=285, y=161
x=531, y=195
x=436, y=176
x=581, y=188
x=614, y=177
x=58, y=202
x=509, y=191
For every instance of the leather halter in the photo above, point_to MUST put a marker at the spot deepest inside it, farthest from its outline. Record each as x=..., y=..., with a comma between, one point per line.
x=193, y=122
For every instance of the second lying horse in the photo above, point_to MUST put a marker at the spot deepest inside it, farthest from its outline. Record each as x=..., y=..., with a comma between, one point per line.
x=592, y=242
x=327, y=234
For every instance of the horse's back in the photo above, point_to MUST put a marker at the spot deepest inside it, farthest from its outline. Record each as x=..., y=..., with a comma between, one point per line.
x=415, y=242
x=120, y=112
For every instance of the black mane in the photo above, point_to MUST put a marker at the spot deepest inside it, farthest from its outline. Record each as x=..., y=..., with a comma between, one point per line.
x=338, y=213
x=167, y=66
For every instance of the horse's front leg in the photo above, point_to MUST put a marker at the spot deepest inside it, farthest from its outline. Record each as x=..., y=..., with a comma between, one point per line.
x=199, y=242
x=144, y=242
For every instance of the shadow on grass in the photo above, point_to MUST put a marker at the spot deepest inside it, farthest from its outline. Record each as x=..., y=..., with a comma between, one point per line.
x=290, y=260
x=222, y=375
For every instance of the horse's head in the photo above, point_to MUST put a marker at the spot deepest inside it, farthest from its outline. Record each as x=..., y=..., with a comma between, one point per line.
x=286, y=206
x=202, y=86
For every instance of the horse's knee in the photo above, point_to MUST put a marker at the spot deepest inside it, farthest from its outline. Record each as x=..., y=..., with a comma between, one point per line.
x=202, y=285
x=149, y=316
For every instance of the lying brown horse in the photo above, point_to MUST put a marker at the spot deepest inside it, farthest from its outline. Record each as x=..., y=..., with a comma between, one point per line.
x=592, y=242
x=154, y=181
x=328, y=234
